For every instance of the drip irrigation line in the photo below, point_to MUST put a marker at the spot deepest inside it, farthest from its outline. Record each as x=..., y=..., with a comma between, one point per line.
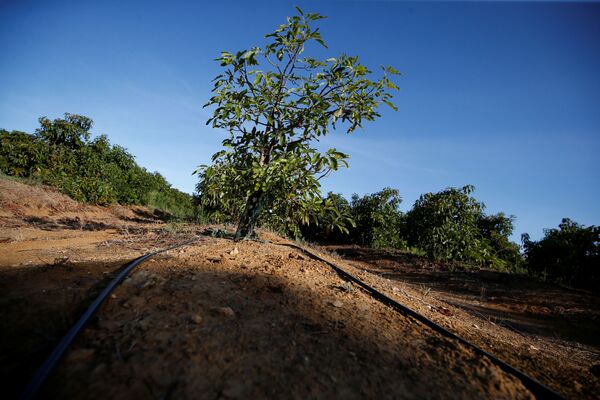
x=534, y=386
x=538, y=389
x=52, y=360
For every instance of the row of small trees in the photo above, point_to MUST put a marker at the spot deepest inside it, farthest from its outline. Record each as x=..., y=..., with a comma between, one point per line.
x=275, y=103
x=449, y=225
x=61, y=154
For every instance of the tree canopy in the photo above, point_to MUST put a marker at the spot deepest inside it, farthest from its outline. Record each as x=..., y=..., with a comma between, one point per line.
x=62, y=154
x=570, y=254
x=275, y=102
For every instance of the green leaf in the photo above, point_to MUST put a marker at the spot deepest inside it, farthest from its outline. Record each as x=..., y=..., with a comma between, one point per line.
x=391, y=105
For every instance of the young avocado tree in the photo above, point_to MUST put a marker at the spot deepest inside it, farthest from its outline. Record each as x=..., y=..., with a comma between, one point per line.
x=451, y=225
x=275, y=102
x=569, y=254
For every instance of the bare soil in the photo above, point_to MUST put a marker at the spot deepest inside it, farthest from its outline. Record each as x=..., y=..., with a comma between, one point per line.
x=218, y=319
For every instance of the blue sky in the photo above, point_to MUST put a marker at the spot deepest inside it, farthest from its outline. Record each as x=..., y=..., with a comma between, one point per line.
x=504, y=96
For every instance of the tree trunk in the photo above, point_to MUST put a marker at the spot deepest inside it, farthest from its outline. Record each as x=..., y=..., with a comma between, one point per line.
x=254, y=206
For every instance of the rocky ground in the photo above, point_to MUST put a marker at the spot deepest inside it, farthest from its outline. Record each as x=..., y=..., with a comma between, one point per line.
x=218, y=319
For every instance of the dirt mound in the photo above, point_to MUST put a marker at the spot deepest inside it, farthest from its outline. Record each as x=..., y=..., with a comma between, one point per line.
x=20, y=199
x=40, y=204
x=250, y=320
x=219, y=319
x=38, y=224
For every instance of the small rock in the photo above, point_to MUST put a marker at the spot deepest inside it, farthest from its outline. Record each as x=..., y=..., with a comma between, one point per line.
x=113, y=296
x=532, y=347
x=475, y=326
x=148, y=283
x=347, y=287
x=143, y=279
x=223, y=311
x=445, y=311
x=234, y=252
x=395, y=289
x=80, y=355
x=196, y=319
x=337, y=304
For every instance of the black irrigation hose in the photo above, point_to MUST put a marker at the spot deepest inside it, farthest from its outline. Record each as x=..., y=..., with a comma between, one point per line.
x=48, y=366
x=538, y=389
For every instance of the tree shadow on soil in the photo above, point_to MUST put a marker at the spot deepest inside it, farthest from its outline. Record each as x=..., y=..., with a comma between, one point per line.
x=48, y=224
x=169, y=334
x=38, y=305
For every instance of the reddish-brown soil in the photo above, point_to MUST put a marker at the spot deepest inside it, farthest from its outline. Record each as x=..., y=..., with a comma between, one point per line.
x=218, y=319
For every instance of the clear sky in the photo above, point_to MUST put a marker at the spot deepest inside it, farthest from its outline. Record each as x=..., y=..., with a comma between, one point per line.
x=504, y=95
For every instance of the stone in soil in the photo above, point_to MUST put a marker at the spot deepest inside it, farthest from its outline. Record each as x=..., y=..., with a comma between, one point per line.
x=223, y=311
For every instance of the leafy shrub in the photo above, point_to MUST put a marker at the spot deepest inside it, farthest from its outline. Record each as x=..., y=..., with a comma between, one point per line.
x=444, y=225
x=378, y=219
x=333, y=222
x=569, y=254
x=21, y=154
x=222, y=188
x=450, y=225
x=61, y=154
x=502, y=254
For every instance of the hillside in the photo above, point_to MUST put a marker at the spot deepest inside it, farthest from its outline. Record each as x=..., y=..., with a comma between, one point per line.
x=218, y=319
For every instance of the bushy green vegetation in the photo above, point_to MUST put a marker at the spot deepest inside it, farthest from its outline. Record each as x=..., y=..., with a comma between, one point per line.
x=450, y=225
x=378, y=219
x=276, y=102
x=61, y=154
x=569, y=254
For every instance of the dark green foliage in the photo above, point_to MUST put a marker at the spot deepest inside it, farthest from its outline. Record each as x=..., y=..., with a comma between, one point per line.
x=378, y=219
x=215, y=205
x=372, y=220
x=61, y=154
x=451, y=226
x=501, y=253
x=275, y=102
x=444, y=225
x=72, y=132
x=21, y=154
x=569, y=254
x=334, y=222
